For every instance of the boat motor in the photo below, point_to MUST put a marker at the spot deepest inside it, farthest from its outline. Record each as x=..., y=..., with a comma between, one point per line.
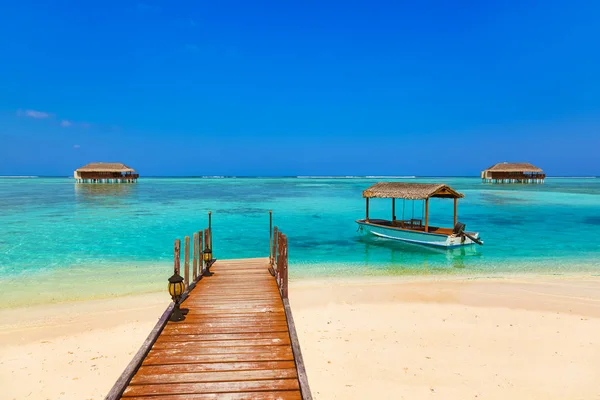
x=459, y=230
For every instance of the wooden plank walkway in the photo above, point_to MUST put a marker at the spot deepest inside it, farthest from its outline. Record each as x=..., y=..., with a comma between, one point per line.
x=238, y=341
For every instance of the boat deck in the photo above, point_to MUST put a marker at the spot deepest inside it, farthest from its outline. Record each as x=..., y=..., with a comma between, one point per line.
x=410, y=225
x=238, y=341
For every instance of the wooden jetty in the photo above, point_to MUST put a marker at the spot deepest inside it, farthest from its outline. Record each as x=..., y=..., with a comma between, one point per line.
x=238, y=339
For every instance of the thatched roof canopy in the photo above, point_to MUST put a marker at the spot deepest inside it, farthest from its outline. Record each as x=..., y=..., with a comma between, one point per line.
x=410, y=191
x=514, y=167
x=105, y=167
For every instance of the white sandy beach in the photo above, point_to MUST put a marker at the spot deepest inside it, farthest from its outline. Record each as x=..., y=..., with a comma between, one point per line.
x=531, y=337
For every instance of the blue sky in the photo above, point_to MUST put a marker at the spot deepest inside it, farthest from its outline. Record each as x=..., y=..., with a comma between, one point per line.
x=302, y=88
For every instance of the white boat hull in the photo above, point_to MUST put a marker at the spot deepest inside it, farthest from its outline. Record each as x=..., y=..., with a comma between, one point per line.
x=415, y=237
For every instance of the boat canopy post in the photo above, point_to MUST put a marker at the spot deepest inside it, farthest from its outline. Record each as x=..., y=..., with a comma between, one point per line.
x=455, y=206
x=403, y=206
x=393, y=209
x=427, y=215
x=367, y=218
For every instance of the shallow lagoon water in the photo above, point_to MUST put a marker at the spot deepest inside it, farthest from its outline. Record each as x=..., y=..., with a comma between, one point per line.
x=118, y=238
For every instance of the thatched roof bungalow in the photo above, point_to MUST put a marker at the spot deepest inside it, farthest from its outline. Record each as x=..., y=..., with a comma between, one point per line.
x=513, y=173
x=102, y=172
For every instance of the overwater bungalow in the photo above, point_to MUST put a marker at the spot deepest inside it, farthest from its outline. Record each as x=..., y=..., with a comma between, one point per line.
x=513, y=173
x=101, y=172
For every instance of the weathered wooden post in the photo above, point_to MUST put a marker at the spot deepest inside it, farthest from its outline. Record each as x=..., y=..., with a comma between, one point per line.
x=279, y=259
x=274, y=246
x=207, y=247
x=195, y=258
x=210, y=229
x=284, y=259
x=186, y=256
x=177, y=267
x=271, y=237
x=200, y=254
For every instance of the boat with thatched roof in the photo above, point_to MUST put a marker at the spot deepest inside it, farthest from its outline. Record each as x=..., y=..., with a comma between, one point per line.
x=103, y=172
x=505, y=172
x=415, y=229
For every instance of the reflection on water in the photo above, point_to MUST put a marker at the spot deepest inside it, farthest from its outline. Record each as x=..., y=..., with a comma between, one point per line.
x=103, y=193
x=401, y=255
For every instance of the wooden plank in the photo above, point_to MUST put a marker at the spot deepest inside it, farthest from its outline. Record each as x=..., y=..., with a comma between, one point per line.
x=156, y=358
x=276, y=395
x=199, y=343
x=248, y=318
x=223, y=336
x=248, y=311
x=217, y=366
x=248, y=265
x=192, y=349
x=241, y=302
x=242, y=294
x=239, y=307
x=118, y=388
x=201, y=324
x=211, y=387
x=240, y=321
x=191, y=329
x=228, y=376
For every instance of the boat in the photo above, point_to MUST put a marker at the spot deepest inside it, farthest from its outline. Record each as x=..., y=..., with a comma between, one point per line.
x=416, y=230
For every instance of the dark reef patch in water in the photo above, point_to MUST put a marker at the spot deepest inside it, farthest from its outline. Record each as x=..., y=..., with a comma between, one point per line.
x=242, y=211
x=593, y=220
x=501, y=199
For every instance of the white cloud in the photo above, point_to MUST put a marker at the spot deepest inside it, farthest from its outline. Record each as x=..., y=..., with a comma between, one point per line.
x=33, y=114
x=65, y=123
x=76, y=146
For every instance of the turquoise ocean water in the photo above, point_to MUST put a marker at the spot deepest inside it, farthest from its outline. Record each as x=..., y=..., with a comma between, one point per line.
x=60, y=240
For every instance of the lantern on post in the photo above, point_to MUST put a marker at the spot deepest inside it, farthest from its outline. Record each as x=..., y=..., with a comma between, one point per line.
x=208, y=260
x=176, y=289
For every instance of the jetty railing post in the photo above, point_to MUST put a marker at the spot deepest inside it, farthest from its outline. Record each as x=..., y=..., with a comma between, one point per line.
x=271, y=237
x=200, y=254
x=177, y=265
x=186, y=256
x=274, y=247
x=284, y=259
x=210, y=229
x=195, y=257
x=280, y=265
x=207, y=244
